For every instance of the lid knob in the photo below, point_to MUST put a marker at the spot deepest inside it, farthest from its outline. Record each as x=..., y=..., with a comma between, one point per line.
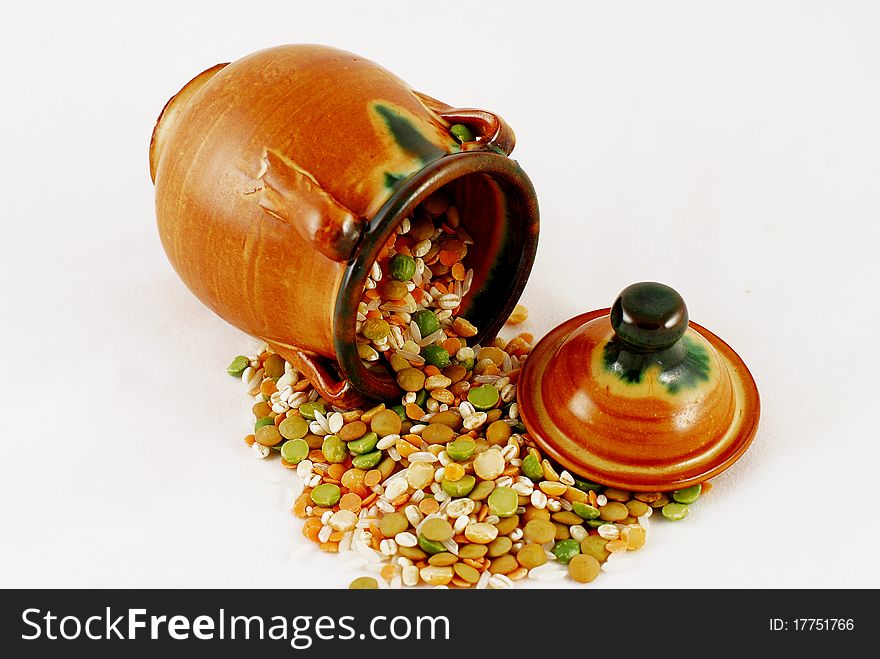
x=649, y=316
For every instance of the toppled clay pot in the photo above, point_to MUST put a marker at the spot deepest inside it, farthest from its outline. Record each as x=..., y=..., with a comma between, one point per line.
x=280, y=178
x=636, y=397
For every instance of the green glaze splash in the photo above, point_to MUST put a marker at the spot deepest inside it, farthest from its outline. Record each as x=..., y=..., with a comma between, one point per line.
x=393, y=179
x=409, y=139
x=682, y=366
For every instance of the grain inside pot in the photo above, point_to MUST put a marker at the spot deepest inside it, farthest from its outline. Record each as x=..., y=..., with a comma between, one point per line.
x=407, y=316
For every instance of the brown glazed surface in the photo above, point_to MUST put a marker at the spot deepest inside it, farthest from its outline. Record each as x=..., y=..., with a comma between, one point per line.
x=636, y=436
x=268, y=172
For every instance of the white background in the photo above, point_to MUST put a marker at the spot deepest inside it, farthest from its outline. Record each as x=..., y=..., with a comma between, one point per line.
x=731, y=150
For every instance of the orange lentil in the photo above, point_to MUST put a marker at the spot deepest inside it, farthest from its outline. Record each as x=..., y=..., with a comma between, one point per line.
x=331, y=547
x=280, y=418
x=267, y=388
x=705, y=487
x=388, y=571
x=399, y=501
x=430, y=370
x=371, y=293
x=374, y=313
x=299, y=506
x=484, y=512
x=440, y=287
x=574, y=494
x=428, y=506
x=458, y=272
x=351, y=415
x=448, y=258
x=336, y=536
x=473, y=563
x=527, y=337
x=369, y=500
x=353, y=430
x=287, y=465
x=594, y=500
x=404, y=448
x=316, y=455
x=373, y=477
x=418, y=295
x=249, y=440
x=461, y=539
x=414, y=412
x=336, y=471
x=302, y=385
x=451, y=346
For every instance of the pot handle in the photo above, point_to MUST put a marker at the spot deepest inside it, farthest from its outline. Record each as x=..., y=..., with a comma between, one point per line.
x=319, y=371
x=293, y=195
x=491, y=130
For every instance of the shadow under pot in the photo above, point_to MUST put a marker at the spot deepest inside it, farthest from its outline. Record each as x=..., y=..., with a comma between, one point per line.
x=281, y=177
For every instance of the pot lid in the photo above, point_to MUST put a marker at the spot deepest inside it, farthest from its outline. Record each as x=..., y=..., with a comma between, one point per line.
x=636, y=397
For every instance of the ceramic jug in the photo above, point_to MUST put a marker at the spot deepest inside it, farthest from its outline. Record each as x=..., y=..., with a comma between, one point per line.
x=280, y=177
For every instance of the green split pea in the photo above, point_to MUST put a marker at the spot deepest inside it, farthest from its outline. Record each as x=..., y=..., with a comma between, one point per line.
x=532, y=468
x=503, y=501
x=326, y=495
x=402, y=267
x=426, y=321
x=437, y=356
x=565, y=550
x=462, y=133
x=461, y=449
x=364, y=445
x=483, y=397
x=237, y=366
x=367, y=460
x=294, y=451
x=459, y=488
x=308, y=410
x=334, y=449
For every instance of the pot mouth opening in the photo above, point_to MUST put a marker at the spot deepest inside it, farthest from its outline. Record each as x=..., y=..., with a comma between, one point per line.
x=498, y=209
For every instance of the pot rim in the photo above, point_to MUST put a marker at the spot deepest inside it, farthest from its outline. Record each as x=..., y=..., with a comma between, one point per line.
x=407, y=196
